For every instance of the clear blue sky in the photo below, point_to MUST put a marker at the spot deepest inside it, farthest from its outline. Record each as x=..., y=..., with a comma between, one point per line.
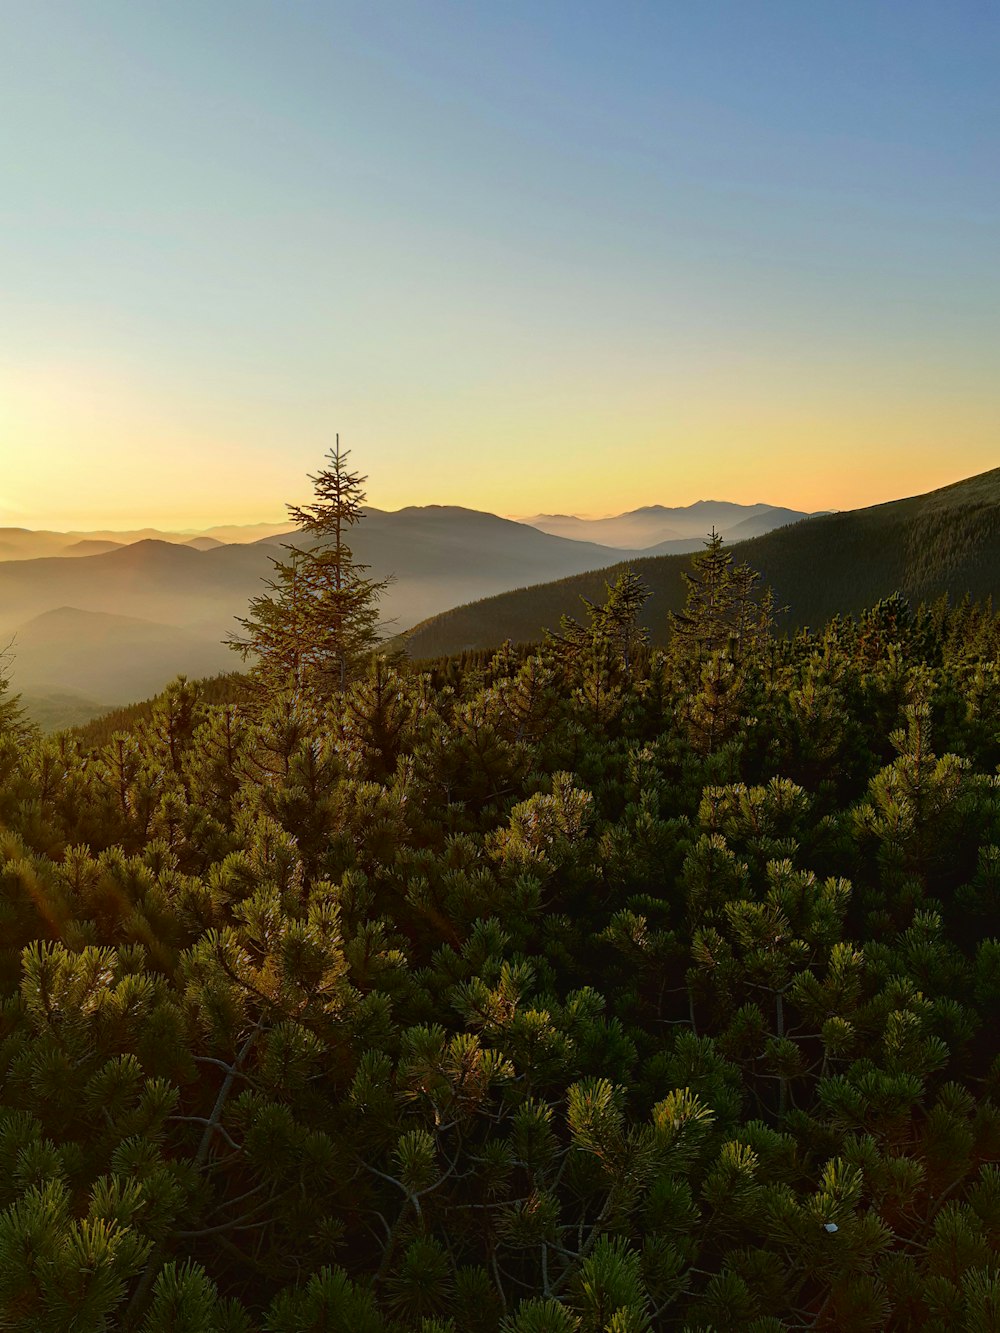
x=523, y=256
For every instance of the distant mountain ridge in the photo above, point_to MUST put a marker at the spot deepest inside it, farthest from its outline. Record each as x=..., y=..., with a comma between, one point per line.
x=633, y=531
x=173, y=599
x=172, y=603
x=439, y=555
x=36, y=544
x=91, y=546
x=656, y=525
x=946, y=541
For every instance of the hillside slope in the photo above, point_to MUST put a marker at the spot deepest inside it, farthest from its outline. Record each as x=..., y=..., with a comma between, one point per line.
x=947, y=541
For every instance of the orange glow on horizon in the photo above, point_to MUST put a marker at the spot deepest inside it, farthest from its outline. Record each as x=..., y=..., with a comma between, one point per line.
x=92, y=445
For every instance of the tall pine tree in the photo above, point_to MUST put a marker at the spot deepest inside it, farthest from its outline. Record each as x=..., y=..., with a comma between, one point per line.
x=318, y=620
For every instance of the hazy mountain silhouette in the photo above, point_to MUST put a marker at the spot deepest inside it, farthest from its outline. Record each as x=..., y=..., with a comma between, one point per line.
x=638, y=529
x=34, y=544
x=947, y=541
x=168, y=602
x=241, y=532
x=677, y=546
x=91, y=546
x=756, y=525
x=656, y=525
x=440, y=556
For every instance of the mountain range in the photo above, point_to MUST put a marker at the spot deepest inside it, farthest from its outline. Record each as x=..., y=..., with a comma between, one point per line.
x=657, y=526
x=113, y=616
x=107, y=617
x=116, y=620
x=34, y=544
x=438, y=555
x=944, y=542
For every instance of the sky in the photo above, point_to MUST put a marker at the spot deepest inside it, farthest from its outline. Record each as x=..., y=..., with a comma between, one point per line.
x=526, y=257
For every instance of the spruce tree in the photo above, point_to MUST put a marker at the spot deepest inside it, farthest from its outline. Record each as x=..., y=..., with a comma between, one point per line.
x=703, y=628
x=726, y=610
x=12, y=719
x=318, y=619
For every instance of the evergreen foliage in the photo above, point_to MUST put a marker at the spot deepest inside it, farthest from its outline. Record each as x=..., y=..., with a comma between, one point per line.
x=12, y=718
x=582, y=988
x=317, y=619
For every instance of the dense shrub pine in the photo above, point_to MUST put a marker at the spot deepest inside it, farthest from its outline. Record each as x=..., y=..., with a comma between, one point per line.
x=581, y=988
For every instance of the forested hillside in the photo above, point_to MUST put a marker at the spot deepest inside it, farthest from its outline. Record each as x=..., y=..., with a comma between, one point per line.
x=585, y=988
x=947, y=541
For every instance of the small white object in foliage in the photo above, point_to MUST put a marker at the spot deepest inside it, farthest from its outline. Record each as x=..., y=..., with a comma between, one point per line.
x=830, y=1226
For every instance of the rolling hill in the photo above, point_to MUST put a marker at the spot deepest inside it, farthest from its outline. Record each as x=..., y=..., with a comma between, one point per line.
x=947, y=541
x=675, y=546
x=152, y=580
